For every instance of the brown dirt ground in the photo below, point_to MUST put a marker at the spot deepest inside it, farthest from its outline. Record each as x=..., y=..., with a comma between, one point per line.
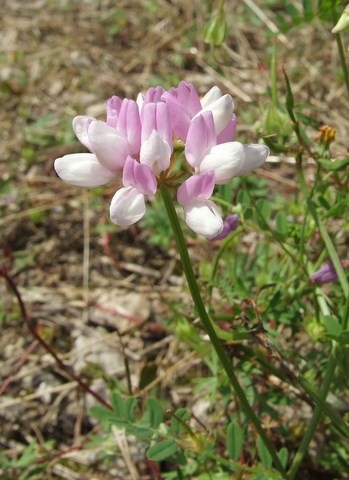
x=98, y=296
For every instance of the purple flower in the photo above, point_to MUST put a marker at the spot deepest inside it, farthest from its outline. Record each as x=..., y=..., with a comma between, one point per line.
x=327, y=273
x=229, y=225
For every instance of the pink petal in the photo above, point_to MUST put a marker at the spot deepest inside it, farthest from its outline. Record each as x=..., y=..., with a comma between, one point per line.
x=201, y=137
x=127, y=207
x=196, y=186
x=110, y=146
x=129, y=124
x=139, y=176
x=188, y=97
x=180, y=117
x=155, y=116
x=82, y=169
x=228, y=133
x=113, y=109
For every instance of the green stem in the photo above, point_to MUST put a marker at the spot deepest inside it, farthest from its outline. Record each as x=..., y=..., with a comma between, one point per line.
x=303, y=448
x=217, y=345
x=330, y=248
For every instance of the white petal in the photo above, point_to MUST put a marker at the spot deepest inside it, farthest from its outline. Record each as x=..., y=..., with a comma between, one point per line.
x=156, y=153
x=255, y=156
x=203, y=217
x=222, y=110
x=83, y=170
x=110, y=146
x=127, y=206
x=211, y=96
x=225, y=160
x=80, y=124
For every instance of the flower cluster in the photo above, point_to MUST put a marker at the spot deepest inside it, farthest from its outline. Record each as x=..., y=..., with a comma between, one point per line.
x=137, y=142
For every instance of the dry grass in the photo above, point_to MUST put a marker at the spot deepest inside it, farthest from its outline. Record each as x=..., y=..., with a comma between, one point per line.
x=60, y=58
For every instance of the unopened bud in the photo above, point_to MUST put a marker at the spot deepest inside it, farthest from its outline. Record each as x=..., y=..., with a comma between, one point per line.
x=343, y=21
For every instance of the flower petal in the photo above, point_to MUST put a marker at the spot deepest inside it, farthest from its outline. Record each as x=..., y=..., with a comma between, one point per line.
x=255, y=156
x=222, y=109
x=196, y=186
x=155, y=116
x=225, y=160
x=211, y=96
x=156, y=153
x=229, y=225
x=82, y=169
x=127, y=206
x=80, y=127
x=203, y=217
x=228, y=133
x=140, y=176
x=110, y=146
x=129, y=125
x=200, y=139
x=113, y=109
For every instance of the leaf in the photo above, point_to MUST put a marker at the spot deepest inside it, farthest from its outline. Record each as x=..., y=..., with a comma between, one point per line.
x=308, y=10
x=281, y=224
x=262, y=213
x=182, y=414
x=153, y=414
x=162, y=450
x=332, y=325
x=334, y=166
x=289, y=98
x=235, y=440
x=243, y=197
x=264, y=454
x=275, y=147
x=283, y=456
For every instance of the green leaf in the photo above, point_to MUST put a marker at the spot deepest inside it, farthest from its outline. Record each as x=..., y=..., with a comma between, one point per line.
x=235, y=440
x=334, y=166
x=243, y=198
x=153, y=414
x=332, y=325
x=264, y=454
x=289, y=98
x=281, y=224
x=343, y=337
x=182, y=414
x=262, y=213
x=308, y=10
x=275, y=147
x=162, y=450
x=124, y=407
x=283, y=456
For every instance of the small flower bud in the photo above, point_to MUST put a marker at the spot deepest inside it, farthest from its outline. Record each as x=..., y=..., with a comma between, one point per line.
x=216, y=28
x=343, y=22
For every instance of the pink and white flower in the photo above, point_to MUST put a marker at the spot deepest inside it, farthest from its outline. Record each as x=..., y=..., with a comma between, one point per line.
x=110, y=143
x=128, y=204
x=200, y=213
x=185, y=105
x=227, y=160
